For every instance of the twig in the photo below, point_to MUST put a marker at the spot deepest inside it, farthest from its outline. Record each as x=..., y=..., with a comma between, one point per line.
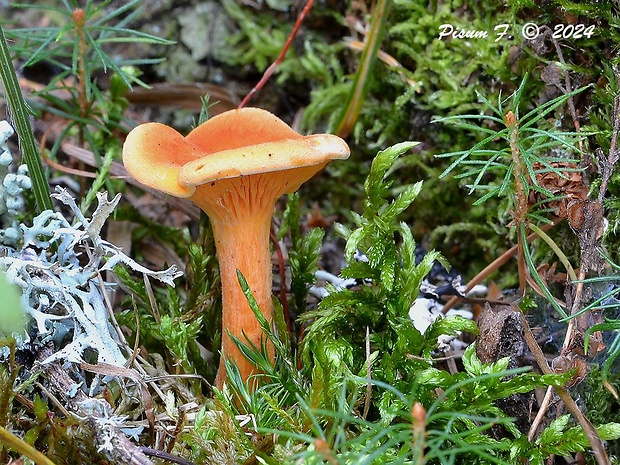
x=521, y=198
x=178, y=429
x=160, y=454
x=490, y=268
x=109, y=438
x=568, y=88
x=121, y=372
x=572, y=324
x=53, y=399
x=593, y=438
x=289, y=40
x=79, y=19
x=607, y=164
x=111, y=315
x=136, y=345
x=544, y=406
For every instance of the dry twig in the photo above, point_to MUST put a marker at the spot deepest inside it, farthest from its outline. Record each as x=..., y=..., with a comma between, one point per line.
x=289, y=40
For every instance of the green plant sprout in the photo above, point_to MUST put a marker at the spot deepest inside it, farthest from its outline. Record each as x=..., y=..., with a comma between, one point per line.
x=510, y=172
x=79, y=47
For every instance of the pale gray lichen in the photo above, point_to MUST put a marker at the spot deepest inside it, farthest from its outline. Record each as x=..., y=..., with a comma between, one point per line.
x=99, y=413
x=58, y=291
x=58, y=268
x=12, y=186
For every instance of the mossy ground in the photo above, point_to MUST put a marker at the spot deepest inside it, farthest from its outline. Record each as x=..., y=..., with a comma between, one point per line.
x=317, y=404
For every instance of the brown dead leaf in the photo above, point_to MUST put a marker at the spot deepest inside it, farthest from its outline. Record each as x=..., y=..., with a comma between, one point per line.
x=315, y=218
x=568, y=186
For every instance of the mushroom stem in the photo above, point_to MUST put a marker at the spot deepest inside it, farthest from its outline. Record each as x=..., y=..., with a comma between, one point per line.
x=241, y=216
x=243, y=245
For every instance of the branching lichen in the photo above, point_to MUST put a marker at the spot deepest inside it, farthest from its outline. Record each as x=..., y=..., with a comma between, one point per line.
x=11, y=187
x=61, y=290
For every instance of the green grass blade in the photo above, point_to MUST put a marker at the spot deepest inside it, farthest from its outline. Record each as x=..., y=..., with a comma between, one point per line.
x=534, y=273
x=19, y=115
x=18, y=444
x=369, y=55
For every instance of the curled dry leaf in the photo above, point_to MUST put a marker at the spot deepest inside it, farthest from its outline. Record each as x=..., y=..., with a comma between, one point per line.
x=566, y=183
x=565, y=363
x=316, y=219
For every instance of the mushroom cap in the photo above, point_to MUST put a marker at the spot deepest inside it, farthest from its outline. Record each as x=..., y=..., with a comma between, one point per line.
x=281, y=155
x=154, y=153
x=233, y=144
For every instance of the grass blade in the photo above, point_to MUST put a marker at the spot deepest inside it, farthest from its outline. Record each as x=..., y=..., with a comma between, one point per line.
x=369, y=55
x=19, y=114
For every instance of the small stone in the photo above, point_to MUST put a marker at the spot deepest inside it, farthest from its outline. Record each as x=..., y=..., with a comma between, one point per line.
x=205, y=30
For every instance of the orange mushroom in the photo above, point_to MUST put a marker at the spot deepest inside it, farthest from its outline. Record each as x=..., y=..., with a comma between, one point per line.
x=234, y=167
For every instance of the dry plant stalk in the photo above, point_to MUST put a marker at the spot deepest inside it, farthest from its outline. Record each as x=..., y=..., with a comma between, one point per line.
x=272, y=68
